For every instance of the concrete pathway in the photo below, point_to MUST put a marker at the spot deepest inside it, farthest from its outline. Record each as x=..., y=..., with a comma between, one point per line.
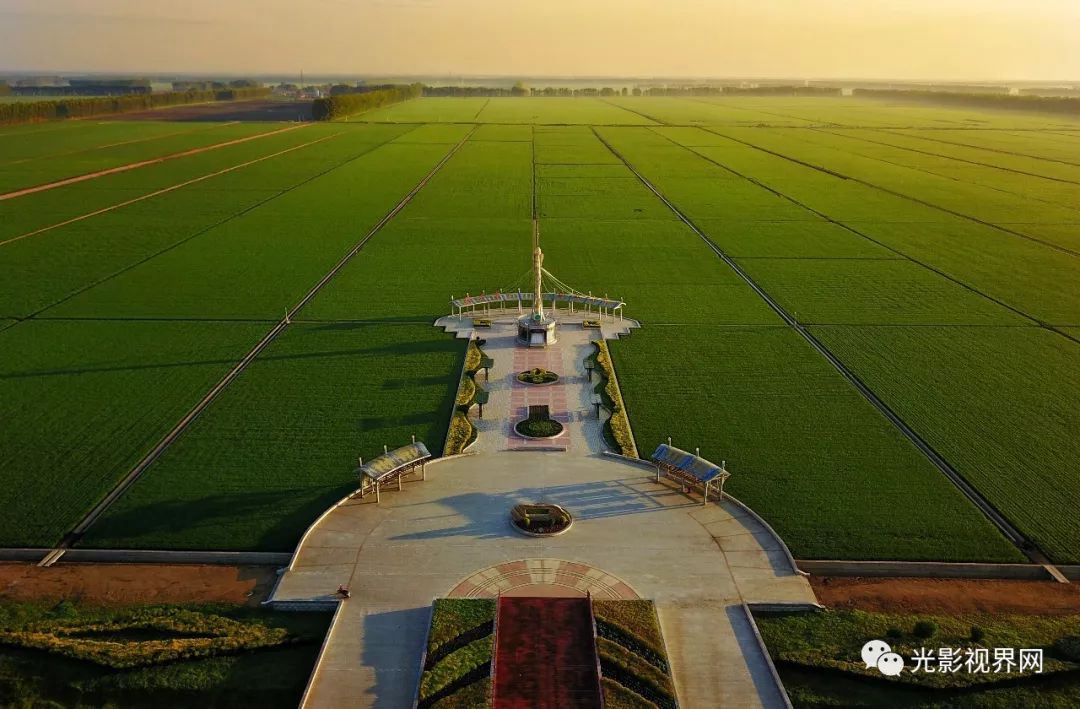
x=451, y=535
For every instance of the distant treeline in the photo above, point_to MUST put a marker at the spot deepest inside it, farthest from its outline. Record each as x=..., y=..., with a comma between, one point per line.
x=24, y=112
x=607, y=91
x=327, y=109
x=1055, y=104
x=743, y=91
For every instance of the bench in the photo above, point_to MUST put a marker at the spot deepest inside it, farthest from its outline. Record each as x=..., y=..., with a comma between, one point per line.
x=690, y=470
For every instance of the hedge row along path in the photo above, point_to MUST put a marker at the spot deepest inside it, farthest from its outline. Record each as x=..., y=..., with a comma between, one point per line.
x=142, y=163
x=1006, y=528
x=165, y=190
x=80, y=529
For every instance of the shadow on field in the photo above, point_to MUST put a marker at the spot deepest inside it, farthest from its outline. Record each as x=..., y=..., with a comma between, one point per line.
x=235, y=521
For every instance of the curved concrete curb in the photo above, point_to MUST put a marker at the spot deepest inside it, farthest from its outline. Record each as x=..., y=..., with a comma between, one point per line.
x=781, y=690
x=779, y=540
x=757, y=518
x=628, y=459
x=926, y=569
x=339, y=503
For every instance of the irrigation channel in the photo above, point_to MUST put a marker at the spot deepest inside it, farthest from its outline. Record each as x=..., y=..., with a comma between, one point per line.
x=80, y=529
x=1011, y=533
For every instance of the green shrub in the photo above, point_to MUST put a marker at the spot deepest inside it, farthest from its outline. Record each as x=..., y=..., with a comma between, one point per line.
x=460, y=435
x=924, y=629
x=977, y=634
x=894, y=633
x=619, y=424
x=467, y=391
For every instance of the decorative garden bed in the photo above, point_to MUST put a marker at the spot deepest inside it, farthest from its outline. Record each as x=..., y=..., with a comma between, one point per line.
x=537, y=376
x=539, y=425
x=540, y=520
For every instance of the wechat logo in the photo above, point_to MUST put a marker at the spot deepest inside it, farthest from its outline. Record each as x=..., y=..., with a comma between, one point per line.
x=877, y=653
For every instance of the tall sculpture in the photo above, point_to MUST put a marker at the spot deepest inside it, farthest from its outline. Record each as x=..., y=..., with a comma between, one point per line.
x=537, y=329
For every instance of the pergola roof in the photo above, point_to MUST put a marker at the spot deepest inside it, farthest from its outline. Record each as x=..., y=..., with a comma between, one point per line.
x=554, y=297
x=694, y=465
x=387, y=464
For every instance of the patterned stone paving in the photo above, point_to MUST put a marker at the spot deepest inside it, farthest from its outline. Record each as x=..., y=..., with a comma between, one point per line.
x=570, y=577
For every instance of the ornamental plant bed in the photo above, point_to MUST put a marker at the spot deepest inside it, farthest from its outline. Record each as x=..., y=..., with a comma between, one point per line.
x=537, y=376
x=540, y=519
x=539, y=424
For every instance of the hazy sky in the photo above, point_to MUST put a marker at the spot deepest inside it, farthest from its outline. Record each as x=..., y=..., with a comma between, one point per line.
x=916, y=39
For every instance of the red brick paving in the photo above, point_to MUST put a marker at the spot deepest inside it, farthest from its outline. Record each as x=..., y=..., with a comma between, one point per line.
x=545, y=658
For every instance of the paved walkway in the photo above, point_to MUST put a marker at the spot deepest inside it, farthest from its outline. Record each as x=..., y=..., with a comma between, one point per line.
x=451, y=534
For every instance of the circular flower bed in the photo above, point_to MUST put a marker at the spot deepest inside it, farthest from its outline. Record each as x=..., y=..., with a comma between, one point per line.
x=538, y=428
x=537, y=375
x=540, y=520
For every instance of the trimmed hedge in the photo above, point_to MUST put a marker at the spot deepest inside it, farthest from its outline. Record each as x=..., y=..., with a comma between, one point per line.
x=619, y=423
x=333, y=107
x=451, y=617
x=459, y=648
x=632, y=672
x=617, y=696
x=29, y=111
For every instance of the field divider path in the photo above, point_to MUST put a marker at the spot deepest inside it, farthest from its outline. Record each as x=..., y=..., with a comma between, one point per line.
x=143, y=163
x=1004, y=526
x=894, y=193
x=133, y=475
x=947, y=157
x=209, y=228
x=164, y=190
x=892, y=131
x=106, y=146
x=846, y=227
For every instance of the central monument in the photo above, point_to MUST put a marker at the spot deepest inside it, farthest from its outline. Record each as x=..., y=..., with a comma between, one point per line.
x=537, y=328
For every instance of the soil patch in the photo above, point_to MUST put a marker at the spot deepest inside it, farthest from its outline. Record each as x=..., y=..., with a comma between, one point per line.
x=106, y=584
x=948, y=596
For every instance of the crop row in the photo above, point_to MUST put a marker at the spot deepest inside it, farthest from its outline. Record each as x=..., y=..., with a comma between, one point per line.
x=997, y=264
x=1001, y=404
x=281, y=442
x=807, y=451
x=989, y=399
x=45, y=268
x=36, y=162
x=84, y=399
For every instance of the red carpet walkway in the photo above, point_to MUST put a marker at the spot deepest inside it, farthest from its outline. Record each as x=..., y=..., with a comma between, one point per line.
x=545, y=657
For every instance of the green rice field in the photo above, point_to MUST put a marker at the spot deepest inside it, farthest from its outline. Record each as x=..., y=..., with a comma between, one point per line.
x=935, y=252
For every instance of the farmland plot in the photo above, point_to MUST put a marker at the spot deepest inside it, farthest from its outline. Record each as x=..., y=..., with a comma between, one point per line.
x=83, y=401
x=761, y=398
x=990, y=261
x=557, y=110
x=261, y=263
x=16, y=173
x=968, y=198
x=874, y=292
x=1001, y=404
x=280, y=445
x=24, y=215
x=806, y=451
x=27, y=142
x=43, y=269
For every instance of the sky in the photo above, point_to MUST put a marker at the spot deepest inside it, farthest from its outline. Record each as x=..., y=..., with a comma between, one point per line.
x=985, y=40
